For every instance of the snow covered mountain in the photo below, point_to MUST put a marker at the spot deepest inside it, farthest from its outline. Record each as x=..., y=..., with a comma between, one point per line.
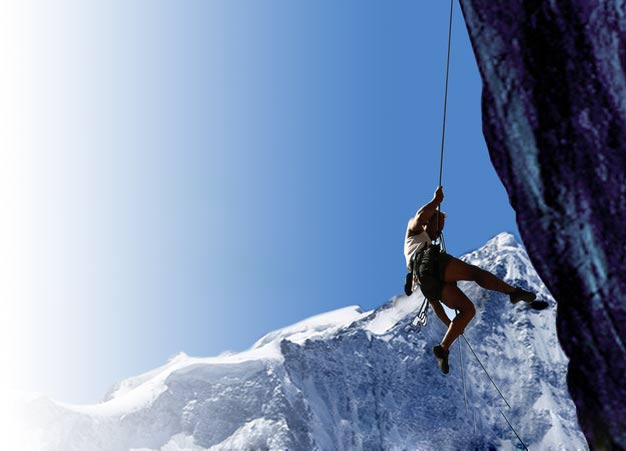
x=346, y=380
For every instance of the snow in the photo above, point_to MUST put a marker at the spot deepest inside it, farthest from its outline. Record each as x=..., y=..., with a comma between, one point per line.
x=402, y=306
x=133, y=394
x=317, y=327
x=178, y=442
x=344, y=380
x=139, y=392
x=256, y=434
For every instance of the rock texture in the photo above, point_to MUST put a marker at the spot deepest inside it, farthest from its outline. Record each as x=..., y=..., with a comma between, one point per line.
x=554, y=118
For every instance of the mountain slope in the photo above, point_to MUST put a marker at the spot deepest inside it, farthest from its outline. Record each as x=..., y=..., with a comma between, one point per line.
x=347, y=380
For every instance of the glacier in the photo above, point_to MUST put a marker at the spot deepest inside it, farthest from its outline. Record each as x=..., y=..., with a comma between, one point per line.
x=345, y=380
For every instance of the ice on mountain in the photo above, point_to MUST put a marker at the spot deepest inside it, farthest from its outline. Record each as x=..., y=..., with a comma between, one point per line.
x=346, y=380
x=316, y=327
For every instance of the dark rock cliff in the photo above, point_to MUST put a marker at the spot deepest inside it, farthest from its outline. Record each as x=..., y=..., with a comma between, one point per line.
x=554, y=118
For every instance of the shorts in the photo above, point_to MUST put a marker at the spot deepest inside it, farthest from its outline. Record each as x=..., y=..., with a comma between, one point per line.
x=431, y=267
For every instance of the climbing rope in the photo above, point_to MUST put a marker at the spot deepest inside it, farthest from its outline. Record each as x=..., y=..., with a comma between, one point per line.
x=483, y=367
x=514, y=431
x=463, y=376
x=442, y=241
x=443, y=128
x=445, y=96
x=501, y=395
x=422, y=317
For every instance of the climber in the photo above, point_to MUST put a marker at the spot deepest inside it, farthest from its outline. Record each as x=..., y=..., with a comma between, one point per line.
x=437, y=273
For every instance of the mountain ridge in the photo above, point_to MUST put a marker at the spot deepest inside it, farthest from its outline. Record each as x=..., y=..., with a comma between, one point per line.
x=348, y=380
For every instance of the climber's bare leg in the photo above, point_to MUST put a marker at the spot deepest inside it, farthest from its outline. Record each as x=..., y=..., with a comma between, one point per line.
x=455, y=299
x=459, y=270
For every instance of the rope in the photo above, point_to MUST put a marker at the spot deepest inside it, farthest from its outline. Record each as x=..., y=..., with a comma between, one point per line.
x=443, y=244
x=445, y=97
x=474, y=412
x=513, y=429
x=483, y=367
x=501, y=395
x=463, y=376
x=445, y=109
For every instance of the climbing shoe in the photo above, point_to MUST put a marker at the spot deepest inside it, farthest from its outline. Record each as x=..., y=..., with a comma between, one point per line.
x=539, y=305
x=442, y=358
x=521, y=295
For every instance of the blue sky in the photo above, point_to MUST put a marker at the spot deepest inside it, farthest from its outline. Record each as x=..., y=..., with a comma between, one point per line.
x=187, y=176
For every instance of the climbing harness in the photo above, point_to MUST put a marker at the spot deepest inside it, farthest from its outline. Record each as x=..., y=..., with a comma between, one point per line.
x=421, y=318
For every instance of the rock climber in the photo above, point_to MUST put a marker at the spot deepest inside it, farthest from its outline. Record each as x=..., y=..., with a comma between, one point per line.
x=437, y=272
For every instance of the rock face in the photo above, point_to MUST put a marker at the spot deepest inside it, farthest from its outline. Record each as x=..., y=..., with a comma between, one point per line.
x=554, y=118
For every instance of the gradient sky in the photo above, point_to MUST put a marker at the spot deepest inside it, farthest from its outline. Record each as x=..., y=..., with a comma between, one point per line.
x=188, y=176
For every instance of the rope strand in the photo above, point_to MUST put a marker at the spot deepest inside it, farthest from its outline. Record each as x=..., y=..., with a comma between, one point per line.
x=421, y=316
x=445, y=110
x=513, y=429
x=445, y=96
x=463, y=375
x=501, y=395
x=441, y=239
x=483, y=367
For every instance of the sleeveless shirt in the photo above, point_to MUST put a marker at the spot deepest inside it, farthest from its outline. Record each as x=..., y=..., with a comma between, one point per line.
x=414, y=243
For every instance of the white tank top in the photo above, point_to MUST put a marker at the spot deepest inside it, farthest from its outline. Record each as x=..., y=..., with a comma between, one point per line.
x=413, y=243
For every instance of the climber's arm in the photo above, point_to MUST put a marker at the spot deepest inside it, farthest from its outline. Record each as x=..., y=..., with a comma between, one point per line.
x=423, y=215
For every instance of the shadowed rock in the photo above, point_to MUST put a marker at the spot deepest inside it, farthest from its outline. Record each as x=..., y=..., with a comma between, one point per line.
x=554, y=118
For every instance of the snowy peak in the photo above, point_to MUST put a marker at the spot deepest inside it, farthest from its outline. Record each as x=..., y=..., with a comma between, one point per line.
x=503, y=240
x=505, y=257
x=503, y=244
x=316, y=327
x=347, y=380
x=127, y=385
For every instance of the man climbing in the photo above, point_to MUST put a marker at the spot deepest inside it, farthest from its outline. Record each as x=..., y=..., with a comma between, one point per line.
x=437, y=274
